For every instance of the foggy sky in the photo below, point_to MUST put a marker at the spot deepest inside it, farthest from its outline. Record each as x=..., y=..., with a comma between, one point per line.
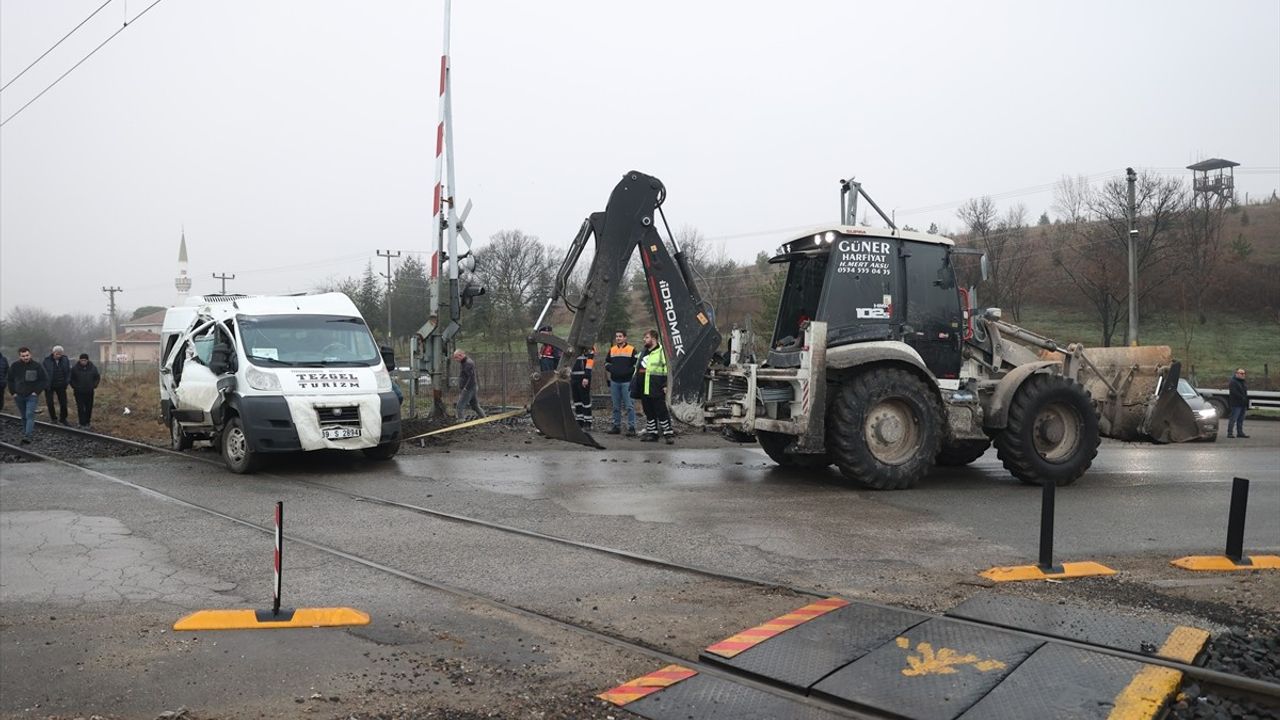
x=293, y=139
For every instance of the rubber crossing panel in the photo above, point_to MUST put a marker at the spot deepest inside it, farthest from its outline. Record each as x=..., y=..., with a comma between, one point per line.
x=808, y=652
x=1065, y=682
x=1086, y=625
x=933, y=671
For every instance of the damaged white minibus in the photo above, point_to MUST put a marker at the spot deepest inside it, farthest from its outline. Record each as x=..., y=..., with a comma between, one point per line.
x=260, y=375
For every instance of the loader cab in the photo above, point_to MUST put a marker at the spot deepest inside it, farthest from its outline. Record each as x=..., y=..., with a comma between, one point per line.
x=875, y=285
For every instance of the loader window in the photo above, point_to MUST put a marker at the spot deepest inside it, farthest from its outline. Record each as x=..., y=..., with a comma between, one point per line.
x=934, y=323
x=800, y=296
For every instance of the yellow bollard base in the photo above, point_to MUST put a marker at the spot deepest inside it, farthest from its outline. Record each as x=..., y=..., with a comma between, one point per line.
x=263, y=619
x=1222, y=562
x=1033, y=572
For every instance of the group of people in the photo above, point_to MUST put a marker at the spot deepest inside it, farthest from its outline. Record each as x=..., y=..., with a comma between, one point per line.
x=633, y=374
x=25, y=379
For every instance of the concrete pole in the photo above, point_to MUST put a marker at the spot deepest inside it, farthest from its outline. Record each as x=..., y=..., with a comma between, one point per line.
x=1132, y=178
x=111, y=304
x=388, y=255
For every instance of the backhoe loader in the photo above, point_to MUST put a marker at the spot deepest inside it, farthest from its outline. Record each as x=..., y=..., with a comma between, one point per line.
x=879, y=362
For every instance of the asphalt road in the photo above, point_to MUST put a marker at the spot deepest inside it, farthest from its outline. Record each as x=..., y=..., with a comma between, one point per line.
x=93, y=572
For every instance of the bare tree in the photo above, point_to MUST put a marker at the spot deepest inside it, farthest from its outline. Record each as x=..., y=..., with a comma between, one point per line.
x=40, y=330
x=517, y=272
x=1201, y=245
x=1017, y=259
x=1004, y=240
x=718, y=278
x=1093, y=240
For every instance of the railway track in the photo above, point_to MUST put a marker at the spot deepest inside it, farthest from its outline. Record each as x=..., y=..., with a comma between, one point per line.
x=78, y=445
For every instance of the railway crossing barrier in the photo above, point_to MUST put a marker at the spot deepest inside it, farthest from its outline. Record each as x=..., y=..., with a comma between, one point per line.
x=1046, y=569
x=1234, y=558
x=246, y=619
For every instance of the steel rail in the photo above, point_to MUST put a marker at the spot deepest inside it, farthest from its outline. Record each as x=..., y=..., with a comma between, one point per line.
x=1240, y=683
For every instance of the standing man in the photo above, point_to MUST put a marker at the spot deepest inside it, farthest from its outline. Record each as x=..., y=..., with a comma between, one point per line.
x=58, y=367
x=4, y=376
x=621, y=366
x=1238, y=401
x=84, y=380
x=654, y=397
x=548, y=355
x=468, y=386
x=580, y=385
x=26, y=379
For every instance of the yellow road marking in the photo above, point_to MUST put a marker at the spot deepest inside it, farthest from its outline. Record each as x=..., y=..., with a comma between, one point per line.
x=1184, y=643
x=1146, y=694
x=943, y=661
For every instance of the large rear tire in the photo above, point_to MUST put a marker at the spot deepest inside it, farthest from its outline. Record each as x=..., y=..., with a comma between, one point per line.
x=237, y=453
x=883, y=428
x=774, y=445
x=1052, y=433
x=961, y=452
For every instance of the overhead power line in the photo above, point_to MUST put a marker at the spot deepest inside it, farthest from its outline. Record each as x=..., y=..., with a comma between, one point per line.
x=55, y=45
x=79, y=63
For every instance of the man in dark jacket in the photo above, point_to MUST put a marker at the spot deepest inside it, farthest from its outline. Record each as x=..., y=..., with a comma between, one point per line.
x=26, y=379
x=58, y=367
x=1238, y=402
x=84, y=380
x=468, y=386
x=621, y=366
x=4, y=376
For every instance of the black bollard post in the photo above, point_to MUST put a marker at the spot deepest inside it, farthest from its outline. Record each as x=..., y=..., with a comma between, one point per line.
x=275, y=601
x=1046, y=527
x=1235, y=521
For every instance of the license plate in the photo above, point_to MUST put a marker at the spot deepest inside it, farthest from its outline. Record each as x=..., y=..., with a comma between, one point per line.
x=338, y=433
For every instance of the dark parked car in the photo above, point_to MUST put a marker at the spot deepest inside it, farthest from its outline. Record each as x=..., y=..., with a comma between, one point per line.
x=1206, y=414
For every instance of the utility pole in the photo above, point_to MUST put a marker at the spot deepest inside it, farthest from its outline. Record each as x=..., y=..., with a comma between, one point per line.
x=388, y=255
x=224, y=278
x=111, y=304
x=1132, y=177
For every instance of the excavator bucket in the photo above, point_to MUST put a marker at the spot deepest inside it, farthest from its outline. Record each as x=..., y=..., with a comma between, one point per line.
x=1170, y=419
x=552, y=410
x=1135, y=389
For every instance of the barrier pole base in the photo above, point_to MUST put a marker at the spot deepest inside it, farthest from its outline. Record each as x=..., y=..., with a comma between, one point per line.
x=1035, y=572
x=245, y=619
x=1221, y=563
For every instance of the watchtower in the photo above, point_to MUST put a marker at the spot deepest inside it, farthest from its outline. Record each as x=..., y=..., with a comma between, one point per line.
x=1209, y=178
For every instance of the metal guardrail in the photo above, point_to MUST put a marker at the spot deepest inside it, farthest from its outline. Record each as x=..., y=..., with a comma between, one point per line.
x=1257, y=398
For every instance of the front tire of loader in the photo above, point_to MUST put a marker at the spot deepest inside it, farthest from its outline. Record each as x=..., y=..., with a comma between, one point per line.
x=883, y=429
x=774, y=445
x=1052, y=434
x=961, y=452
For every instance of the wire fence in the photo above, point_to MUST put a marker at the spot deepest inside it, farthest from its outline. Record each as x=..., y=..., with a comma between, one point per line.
x=504, y=380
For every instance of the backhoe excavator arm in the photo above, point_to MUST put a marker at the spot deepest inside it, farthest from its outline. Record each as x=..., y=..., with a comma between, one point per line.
x=685, y=322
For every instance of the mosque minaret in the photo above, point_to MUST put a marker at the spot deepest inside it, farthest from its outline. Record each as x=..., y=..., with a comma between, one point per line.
x=183, y=281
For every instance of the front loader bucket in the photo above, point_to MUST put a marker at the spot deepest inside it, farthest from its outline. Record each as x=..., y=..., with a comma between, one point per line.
x=1170, y=419
x=552, y=410
x=1124, y=382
